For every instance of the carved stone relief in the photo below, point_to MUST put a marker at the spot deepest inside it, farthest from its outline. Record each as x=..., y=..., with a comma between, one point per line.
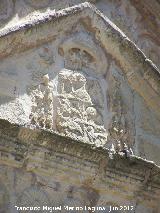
x=79, y=59
x=80, y=52
x=46, y=55
x=119, y=128
x=33, y=197
x=81, y=106
x=42, y=104
x=6, y=9
x=78, y=199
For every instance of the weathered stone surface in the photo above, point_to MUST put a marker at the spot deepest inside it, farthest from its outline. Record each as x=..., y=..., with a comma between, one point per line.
x=6, y=10
x=81, y=107
x=139, y=20
x=77, y=99
x=38, y=4
x=49, y=169
x=81, y=81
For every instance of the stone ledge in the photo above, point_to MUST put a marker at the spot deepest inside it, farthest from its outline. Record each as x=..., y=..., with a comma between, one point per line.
x=24, y=147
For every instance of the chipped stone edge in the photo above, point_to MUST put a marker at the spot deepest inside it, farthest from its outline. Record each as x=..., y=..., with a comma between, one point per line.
x=27, y=138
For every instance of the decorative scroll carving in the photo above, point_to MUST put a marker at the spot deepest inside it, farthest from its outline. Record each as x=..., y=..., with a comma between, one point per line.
x=42, y=108
x=33, y=197
x=6, y=9
x=82, y=53
x=38, y=4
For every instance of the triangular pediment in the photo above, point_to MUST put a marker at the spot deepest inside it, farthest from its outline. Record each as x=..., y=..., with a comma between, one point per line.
x=75, y=72
x=141, y=74
x=79, y=112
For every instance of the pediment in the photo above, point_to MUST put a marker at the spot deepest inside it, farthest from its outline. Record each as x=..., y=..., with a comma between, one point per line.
x=79, y=110
x=68, y=72
x=141, y=74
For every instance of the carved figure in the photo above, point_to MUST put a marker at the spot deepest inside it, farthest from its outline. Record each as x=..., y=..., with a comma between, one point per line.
x=81, y=105
x=42, y=108
x=79, y=114
x=79, y=59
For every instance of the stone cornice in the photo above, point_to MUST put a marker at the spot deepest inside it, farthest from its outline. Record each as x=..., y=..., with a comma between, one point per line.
x=40, y=151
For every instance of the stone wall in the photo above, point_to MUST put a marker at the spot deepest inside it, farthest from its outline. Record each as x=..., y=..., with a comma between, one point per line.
x=81, y=80
x=78, y=102
x=40, y=168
